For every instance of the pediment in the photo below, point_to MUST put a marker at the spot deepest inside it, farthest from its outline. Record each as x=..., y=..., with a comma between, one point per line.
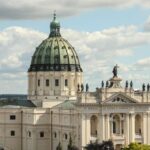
x=120, y=98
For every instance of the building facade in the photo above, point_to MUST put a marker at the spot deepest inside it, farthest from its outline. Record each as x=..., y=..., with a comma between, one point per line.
x=59, y=107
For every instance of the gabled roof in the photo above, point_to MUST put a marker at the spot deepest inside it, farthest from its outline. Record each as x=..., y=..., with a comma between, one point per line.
x=120, y=98
x=68, y=104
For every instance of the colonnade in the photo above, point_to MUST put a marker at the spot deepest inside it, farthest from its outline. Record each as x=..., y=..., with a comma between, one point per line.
x=126, y=127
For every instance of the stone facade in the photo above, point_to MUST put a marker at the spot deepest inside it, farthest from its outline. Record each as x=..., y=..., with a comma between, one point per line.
x=39, y=90
x=64, y=110
x=116, y=113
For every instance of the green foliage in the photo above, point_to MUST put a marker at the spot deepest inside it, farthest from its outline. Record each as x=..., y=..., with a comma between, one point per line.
x=136, y=146
x=59, y=147
x=71, y=146
x=105, y=145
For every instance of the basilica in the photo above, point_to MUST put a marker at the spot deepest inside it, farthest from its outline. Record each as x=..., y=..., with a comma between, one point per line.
x=60, y=106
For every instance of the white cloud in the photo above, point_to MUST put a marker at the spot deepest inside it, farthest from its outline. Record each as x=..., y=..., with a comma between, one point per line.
x=147, y=25
x=145, y=62
x=17, y=45
x=123, y=52
x=35, y=9
x=98, y=51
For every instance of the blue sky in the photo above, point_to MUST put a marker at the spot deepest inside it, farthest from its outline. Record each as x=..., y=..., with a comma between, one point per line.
x=102, y=33
x=92, y=20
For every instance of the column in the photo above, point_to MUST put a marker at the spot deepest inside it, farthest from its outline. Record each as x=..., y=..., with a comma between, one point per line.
x=62, y=84
x=52, y=86
x=72, y=84
x=84, y=130
x=34, y=84
x=132, y=127
x=34, y=141
x=42, y=78
x=101, y=128
x=120, y=132
x=107, y=122
x=148, y=132
x=127, y=129
x=111, y=128
x=145, y=128
x=88, y=129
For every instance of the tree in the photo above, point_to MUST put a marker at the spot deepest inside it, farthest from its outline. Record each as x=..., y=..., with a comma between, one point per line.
x=105, y=145
x=59, y=147
x=136, y=146
x=71, y=146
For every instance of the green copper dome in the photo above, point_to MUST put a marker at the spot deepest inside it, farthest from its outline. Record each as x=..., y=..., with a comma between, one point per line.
x=55, y=53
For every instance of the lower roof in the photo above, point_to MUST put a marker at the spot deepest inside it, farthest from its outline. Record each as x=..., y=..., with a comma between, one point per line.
x=16, y=103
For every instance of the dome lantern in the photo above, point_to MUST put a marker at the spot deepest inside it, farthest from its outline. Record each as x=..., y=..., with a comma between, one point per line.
x=54, y=27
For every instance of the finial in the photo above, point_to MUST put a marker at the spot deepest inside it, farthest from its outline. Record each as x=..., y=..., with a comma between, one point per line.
x=78, y=87
x=131, y=84
x=82, y=87
x=54, y=27
x=54, y=15
x=126, y=86
x=143, y=87
x=148, y=87
x=107, y=84
x=87, y=87
x=102, y=84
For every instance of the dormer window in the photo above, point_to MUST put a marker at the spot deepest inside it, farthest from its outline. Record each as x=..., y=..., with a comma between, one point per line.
x=63, y=47
x=47, y=60
x=39, y=59
x=56, y=60
x=56, y=47
x=65, y=56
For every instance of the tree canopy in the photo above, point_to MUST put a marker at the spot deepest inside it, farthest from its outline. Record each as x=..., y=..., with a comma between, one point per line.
x=136, y=146
x=105, y=145
x=71, y=146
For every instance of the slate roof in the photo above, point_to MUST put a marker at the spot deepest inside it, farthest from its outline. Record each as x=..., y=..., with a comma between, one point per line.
x=15, y=102
x=13, y=96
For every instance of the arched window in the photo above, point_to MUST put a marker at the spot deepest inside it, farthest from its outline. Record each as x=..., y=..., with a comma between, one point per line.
x=65, y=136
x=55, y=135
x=116, y=124
x=29, y=133
x=47, y=82
x=138, y=124
x=94, y=125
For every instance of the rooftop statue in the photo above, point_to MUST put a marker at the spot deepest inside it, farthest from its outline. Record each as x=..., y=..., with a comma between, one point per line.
x=87, y=87
x=115, y=71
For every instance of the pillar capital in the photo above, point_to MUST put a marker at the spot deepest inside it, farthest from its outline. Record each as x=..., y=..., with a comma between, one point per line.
x=102, y=114
x=132, y=114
